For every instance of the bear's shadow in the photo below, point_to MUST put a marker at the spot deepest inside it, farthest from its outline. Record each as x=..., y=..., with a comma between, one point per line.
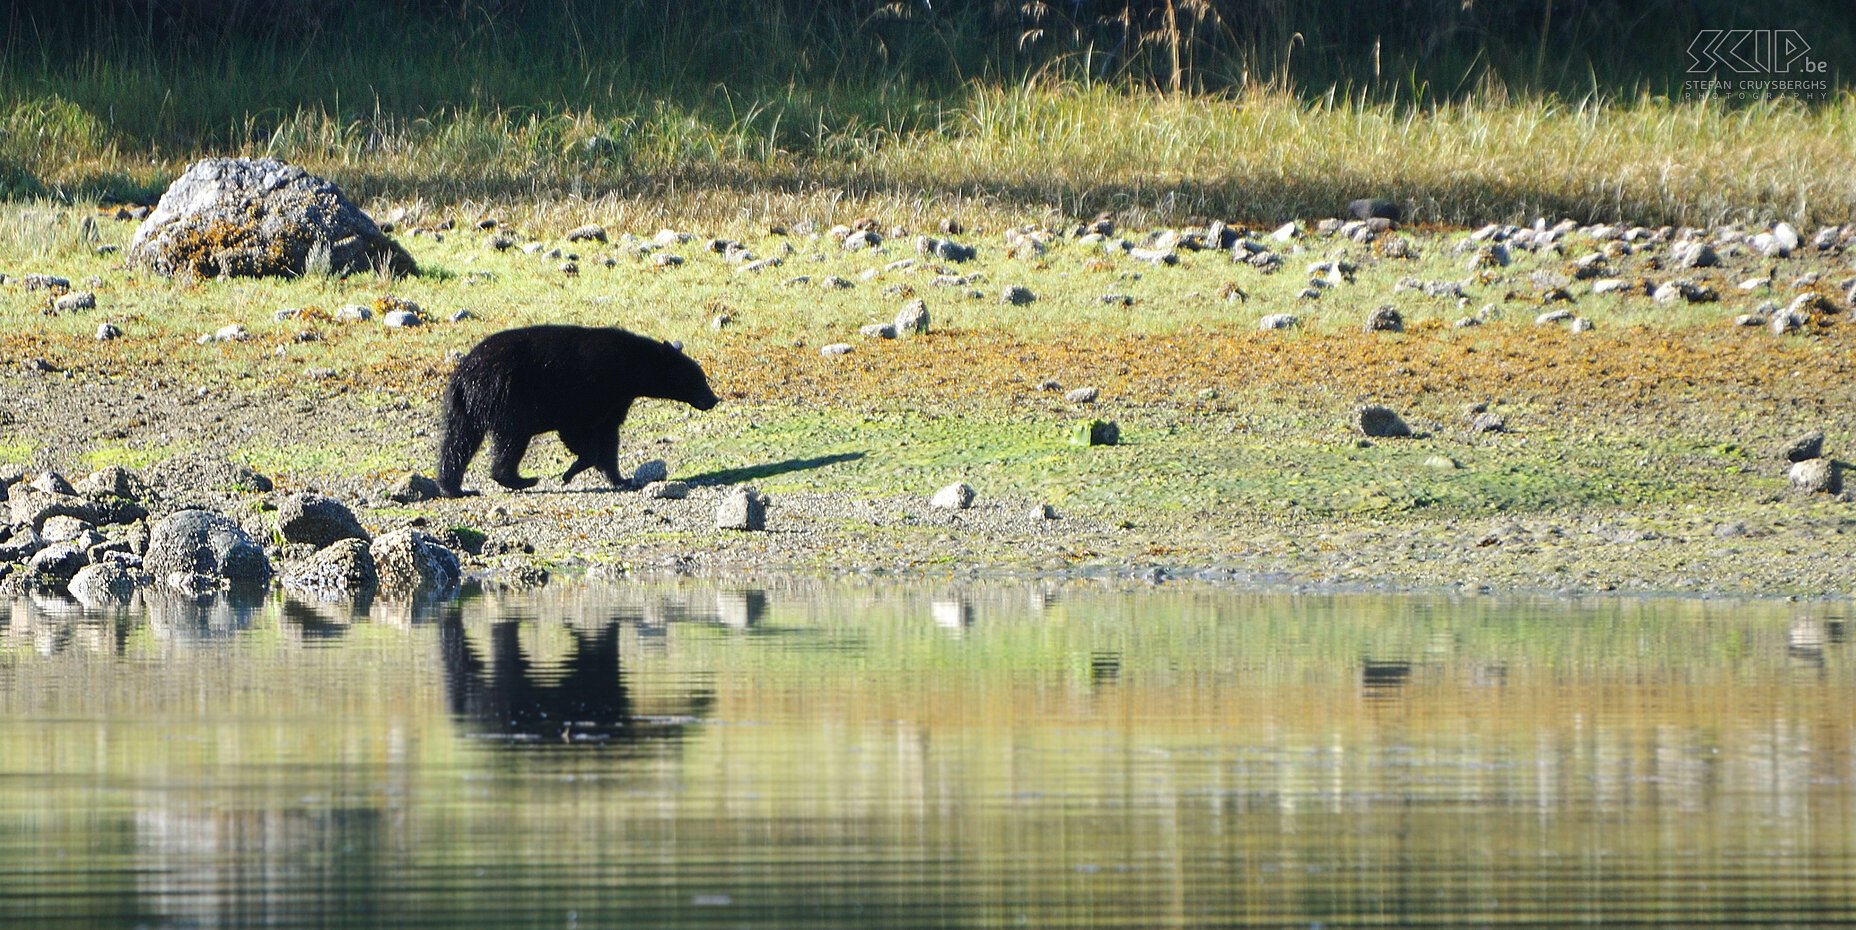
x=756, y=472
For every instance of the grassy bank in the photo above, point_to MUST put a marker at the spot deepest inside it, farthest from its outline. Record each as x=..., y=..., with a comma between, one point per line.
x=1064, y=150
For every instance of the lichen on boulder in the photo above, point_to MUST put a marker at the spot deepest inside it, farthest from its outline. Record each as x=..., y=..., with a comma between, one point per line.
x=243, y=217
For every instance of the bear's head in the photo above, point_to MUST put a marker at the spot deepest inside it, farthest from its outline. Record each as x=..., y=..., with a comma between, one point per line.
x=684, y=379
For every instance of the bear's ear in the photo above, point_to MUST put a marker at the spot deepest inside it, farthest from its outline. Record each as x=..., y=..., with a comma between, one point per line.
x=674, y=344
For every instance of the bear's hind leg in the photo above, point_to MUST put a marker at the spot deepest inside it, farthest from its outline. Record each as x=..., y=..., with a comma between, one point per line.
x=606, y=458
x=506, y=464
x=462, y=438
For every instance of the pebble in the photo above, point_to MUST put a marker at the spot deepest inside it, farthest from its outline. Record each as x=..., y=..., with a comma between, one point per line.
x=956, y=496
x=1386, y=319
x=1814, y=476
x=667, y=490
x=108, y=331
x=1799, y=448
x=878, y=330
x=354, y=313
x=836, y=348
x=1016, y=295
x=1379, y=420
x=743, y=509
x=402, y=319
x=592, y=232
x=1279, y=321
x=1082, y=395
x=912, y=318
x=666, y=260
x=1581, y=325
x=650, y=472
x=76, y=300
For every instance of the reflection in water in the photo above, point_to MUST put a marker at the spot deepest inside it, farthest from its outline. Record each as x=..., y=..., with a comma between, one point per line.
x=1078, y=757
x=582, y=698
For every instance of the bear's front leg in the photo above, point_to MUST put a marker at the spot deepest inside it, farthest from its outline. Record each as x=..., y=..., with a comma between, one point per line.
x=505, y=466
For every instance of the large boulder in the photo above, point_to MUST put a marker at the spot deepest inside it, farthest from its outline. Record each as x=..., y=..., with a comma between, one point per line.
x=201, y=542
x=243, y=217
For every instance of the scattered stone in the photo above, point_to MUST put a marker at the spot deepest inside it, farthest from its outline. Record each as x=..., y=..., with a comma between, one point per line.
x=20, y=544
x=956, y=496
x=877, y=330
x=402, y=319
x=34, y=281
x=411, y=561
x=591, y=232
x=74, y=301
x=1017, y=295
x=1815, y=476
x=667, y=490
x=340, y=571
x=1808, y=446
x=202, y=542
x=1095, y=433
x=862, y=239
x=354, y=313
x=236, y=217
x=58, y=560
x=317, y=520
x=1386, y=319
x=108, y=331
x=655, y=470
x=1380, y=421
x=1486, y=422
x=836, y=348
x=1374, y=208
x=1286, y=232
x=1279, y=321
x=64, y=529
x=1082, y=395
x=666, y=260
x=1581, y=325
x=1694, y=254
x=743, y=509
x=1610, y=286
x=835, y=283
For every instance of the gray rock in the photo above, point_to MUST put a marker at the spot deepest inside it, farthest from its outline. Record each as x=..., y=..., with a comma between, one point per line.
x=33, y=506
x=402, y=319
x=1082, y=395
x=1096, y=433
x=65, y=529
x=74, y=301
x=108, y=331
x=1488, y=423
x=20, y=544
x=743, y=509
x=413, y=488
x=912, y=319
x=202, y=542
x=591, y=232
x=1374, y=208
x=409, y=561
x=667, y=490
x=34, y=281
x=1386, y=319
x=1785, y=236
x=104, y=584
x=1808, y=446
x=956, y=496
x=59, y=560
x=249, y=217
x=1694, y=255
x=648, y=472
x=862, y=239
x=340, y=571
x=1380, y=421
x=317, y=520
x=1017, y=295
x=353, y=313
x=1279, y=321
x=877, y=330
x=836, y=348
x=1815, y=476
x=52, y=483
x=1581, y=325
x=207, y=473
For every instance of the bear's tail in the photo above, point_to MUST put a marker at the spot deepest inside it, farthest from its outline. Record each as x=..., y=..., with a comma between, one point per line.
x=463, y=436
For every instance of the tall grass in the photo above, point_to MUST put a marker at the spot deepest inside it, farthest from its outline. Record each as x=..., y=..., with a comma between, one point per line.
x=1167, y=109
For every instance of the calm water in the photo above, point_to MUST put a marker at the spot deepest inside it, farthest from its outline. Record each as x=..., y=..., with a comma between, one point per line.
x=927, y=756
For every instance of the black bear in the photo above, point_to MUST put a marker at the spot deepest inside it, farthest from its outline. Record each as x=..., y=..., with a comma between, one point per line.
x=578, y=381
